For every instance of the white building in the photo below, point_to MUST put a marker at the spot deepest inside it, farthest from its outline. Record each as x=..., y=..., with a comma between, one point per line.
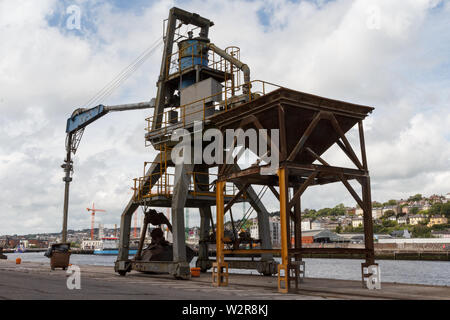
x=254, y=231
x=275, y=234
x=359, y=211
x=377, y=213
x=316, y=225
x=357, y=222
x=274, y=227
x=403, y=220
x=306, y=225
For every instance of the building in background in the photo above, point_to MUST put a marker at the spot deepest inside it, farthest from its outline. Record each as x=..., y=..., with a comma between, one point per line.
x=416, y=219
x=357, y=222
x=437, y=219
x=377, y=213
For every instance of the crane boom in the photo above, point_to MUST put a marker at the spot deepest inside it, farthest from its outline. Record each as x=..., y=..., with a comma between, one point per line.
x=82, y=117
x=75, y=126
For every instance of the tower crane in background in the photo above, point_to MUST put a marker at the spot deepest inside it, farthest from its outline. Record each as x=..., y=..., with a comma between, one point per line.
x=93, y=210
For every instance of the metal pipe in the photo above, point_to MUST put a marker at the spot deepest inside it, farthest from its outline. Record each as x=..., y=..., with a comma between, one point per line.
x=239, y=64
x=131, y=106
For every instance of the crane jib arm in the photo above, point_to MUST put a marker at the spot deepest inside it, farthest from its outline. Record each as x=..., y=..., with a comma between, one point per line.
x=81, y=119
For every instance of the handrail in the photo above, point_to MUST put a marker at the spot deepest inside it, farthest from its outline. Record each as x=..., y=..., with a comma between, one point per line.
x=214, y=60
x=165, y=182
x=209, y=104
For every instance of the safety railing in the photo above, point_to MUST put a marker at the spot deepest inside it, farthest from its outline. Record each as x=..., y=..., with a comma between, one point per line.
x=200, y=110
x=212, y=60
x=165, y=184
x=161, y=182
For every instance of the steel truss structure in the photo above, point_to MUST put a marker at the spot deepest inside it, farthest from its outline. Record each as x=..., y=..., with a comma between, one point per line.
x=309, y=125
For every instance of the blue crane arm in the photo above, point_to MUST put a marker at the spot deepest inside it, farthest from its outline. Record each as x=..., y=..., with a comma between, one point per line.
x=81, y=118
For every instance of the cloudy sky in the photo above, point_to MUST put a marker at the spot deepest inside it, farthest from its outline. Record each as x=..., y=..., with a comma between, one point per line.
x=392, y=55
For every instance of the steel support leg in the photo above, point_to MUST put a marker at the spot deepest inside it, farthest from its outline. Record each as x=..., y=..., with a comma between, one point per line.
x=122, y=264
x=370, y=270
x=202, y=184
x=220, y=267
x=283, y=268
x=180, y=192
x=203, y=261
x=300, y=271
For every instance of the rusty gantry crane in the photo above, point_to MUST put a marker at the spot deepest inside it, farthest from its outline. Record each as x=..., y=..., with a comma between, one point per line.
x=203, y=84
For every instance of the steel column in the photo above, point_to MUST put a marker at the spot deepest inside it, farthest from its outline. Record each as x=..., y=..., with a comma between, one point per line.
x=220, y=278
x=180, y=191
x=283, y=272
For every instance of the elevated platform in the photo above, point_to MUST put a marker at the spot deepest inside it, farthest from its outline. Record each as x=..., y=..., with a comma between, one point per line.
x=192, y=201
x=308, y=125
x=308, y=115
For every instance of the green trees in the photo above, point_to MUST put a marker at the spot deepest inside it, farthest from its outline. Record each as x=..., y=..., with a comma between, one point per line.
x=376, y=204
x=390, y=203
x=421, y=231
x=389, y=213
x=338, y=210
x=416, y=197
x=440, y=209
x=389, y=223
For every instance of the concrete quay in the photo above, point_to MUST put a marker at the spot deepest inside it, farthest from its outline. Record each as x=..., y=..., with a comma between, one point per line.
x=31, y=280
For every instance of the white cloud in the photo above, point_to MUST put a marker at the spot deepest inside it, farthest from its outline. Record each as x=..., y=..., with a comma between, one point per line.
x=325, y=48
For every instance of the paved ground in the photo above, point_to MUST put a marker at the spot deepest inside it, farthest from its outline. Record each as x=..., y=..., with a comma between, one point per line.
x=36, y=281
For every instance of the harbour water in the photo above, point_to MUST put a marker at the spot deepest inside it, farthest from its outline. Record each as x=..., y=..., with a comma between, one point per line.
x=400, y=271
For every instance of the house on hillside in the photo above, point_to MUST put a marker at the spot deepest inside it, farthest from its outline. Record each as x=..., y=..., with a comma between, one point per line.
x=357, y=222
x=403, y=219
x=437, y=219
x=377, y=213
x=416, y=219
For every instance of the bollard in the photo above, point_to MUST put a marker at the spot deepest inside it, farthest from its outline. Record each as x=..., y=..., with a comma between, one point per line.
x=18, y=260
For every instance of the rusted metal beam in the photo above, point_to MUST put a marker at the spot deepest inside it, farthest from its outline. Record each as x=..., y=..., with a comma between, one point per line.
x=363, y=144
x=298, y=225
x=235, y=198
x=343, y=148
x=349, y=148
x=275, y=192
x=282, y=127
x=327, y=169
x=302, y=189
x=368, y=222
x=318, y=158
x=351, y=190
x=298, y=147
